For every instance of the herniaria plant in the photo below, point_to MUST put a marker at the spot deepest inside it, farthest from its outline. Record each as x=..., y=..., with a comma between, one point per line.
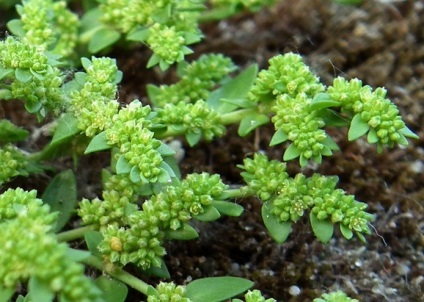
x=145, y=200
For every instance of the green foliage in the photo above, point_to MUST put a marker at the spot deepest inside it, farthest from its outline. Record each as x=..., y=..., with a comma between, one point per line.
x=143, y=200
x=337, y=296
x=47, y=24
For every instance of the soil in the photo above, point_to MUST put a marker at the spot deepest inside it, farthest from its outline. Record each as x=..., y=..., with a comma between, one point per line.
x=379, y=42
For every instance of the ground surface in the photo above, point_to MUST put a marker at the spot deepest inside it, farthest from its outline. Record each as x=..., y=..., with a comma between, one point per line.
x=379, y=42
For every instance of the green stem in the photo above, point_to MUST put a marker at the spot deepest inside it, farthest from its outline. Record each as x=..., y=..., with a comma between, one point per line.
x=74, y=234
x=236, y=193
x=118, y=274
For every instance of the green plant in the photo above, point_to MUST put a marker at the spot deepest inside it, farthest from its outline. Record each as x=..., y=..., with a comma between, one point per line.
x=144, y=199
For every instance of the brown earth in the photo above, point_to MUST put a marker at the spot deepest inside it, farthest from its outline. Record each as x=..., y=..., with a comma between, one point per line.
x=379, y=42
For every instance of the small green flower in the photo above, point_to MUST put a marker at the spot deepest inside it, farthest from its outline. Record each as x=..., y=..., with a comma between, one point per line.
x=197, y=81
x=49, y=25
x=286, y=75
x=337, y=296
x=263, y=177
x=256, y=296
x=13, y=161
x=168, y=292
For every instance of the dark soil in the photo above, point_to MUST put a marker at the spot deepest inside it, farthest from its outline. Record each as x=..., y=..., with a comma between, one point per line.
x=379, y=42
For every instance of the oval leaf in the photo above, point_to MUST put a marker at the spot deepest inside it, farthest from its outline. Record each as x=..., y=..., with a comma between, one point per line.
x=210, y=214
x=102, y=39
x=61, y=196
x=67, y=127
x=228, y=208
x=346, y=232
x=216, y=289
x=98, y=143
x=279, y=137
x=357, y=127
x=278, y=230
x=113, y=290
x=186, y=232
x=93, y=239
x=323, y=229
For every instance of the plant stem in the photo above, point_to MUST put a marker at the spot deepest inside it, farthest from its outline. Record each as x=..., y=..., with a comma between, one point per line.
x=118, y=274
x=75, y=233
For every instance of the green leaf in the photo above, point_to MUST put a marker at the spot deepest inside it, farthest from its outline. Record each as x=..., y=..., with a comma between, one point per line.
x=32, y=106
x=9, y=132
x=279, y=137
x=357, y=127
x=122, y=165
x=139, y=35
x=346, y=232
x=102, y=39
x=5, y=72
x=361, y=237
x=210, y=214
x=228, y=208
x=250, y=122
x=193, y=138
x=6, y=293
x=153, y=61
x=332, y=118
x=86, y=63
x=323, y=229
x=185, y=232
x=23, y=75
x=77, y=255
x=15, y=26
x=165, y=150
x=278, y=230
x=67, y=127
x=162, y=15
x=291, y=152
x=40, y=291
x=330, y=144
x=98, y=143
x=408, y=133
x=216, y=289
x=372, y=137
x=136, y=177
x=236, y=88
x=161, y=272
x=113, y=290
x=93, y=239
x=321, y=101
x=61, y=196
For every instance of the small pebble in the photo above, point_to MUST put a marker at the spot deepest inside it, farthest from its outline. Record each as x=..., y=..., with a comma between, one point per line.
x=294, y=290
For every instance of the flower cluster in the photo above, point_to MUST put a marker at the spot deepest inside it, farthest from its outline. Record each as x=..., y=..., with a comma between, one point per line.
x=140, y=241
x=49, y=25
x=337, y=296
x=167, y=26
x=195, y=120
x=14, y=163
x=94, y=104
x=298, y=124
x=119, y=197
x=286, y=74
x=372, y=112
x=34, y=76
x=256, y=296
x=262, y=176
x=167, y=44
x=166, y=292
x=197, y=80
x=24, y=216
x=139, y=154
x=291, y=197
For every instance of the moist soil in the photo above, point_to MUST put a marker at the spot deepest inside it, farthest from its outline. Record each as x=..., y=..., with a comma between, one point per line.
x=379, y=42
